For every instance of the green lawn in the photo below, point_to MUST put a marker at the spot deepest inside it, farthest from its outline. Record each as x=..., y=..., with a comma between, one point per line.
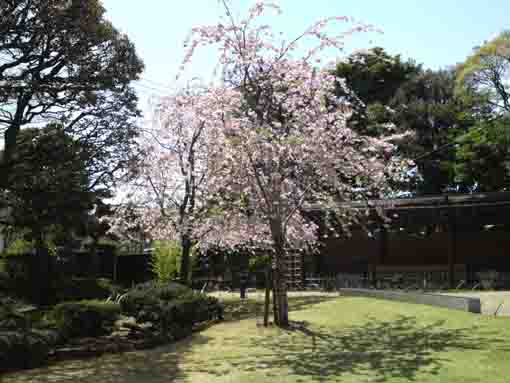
x=333, y=340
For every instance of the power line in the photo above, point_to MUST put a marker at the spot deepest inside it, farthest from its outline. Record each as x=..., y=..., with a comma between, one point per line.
x=455, y=142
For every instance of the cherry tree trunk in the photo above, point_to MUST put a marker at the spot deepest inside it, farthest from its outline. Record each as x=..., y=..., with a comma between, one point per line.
x=280, y=293
x=281, y=303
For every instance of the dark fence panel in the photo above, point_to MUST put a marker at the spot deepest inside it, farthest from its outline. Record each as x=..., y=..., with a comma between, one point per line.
x=133, y=268
x=35, y=272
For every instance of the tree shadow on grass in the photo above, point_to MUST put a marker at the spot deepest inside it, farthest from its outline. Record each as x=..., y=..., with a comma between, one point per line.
x=148, y=366
x=250, y=308
x=379, y=349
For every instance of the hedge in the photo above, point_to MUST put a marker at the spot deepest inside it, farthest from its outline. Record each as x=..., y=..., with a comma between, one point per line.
x=170, y=307
x=87, y=318
x=25, y=349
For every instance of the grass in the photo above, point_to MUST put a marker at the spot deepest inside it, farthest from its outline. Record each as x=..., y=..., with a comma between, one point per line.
x=350, y=340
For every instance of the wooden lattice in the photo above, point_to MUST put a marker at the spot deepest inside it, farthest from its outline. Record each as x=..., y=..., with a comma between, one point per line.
x=294, y=274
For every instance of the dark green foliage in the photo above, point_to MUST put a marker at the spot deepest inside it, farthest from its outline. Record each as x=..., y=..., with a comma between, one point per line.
x=25, y=349
x=49, y=183
x=427, y=106
x=20, y=345
x=483, y=156
x=85, y=318
x=4, y=281
x=170, y=307
x=65, y=61
x=375, y=75
x=399, y=96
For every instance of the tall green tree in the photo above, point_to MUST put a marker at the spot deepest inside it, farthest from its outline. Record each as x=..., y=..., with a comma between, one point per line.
x=427, y=106
x=484, y=80
x=391, y=95
x=483, y=156
x=49, y=184
x=485, y=75
x=62, y=61
x=374, y=76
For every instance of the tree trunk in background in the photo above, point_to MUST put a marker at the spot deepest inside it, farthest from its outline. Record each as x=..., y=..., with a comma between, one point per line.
x=185, y=259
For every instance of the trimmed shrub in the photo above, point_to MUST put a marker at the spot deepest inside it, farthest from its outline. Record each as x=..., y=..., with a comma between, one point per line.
x=85, y=318
x=21, y=346
x=25, y=349
x=170, y=307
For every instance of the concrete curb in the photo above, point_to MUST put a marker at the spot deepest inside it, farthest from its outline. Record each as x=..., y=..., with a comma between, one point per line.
x=468, y=304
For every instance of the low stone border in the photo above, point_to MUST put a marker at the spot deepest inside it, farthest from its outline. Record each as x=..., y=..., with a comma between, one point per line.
x=472, y=305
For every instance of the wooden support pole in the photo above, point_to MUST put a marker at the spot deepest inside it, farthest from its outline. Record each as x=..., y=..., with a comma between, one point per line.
x=452, y=245
x=267, y=297
x=380, y=255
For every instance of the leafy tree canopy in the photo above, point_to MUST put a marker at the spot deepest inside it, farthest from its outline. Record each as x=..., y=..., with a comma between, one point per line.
x=483, y=156
x=49, y=184
x=485, y=75
x=62, y=61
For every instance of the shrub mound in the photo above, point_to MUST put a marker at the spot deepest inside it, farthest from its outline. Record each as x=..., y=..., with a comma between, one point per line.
x=20, y=345
x=25, y=348
x=85, y=318
x=171, y=308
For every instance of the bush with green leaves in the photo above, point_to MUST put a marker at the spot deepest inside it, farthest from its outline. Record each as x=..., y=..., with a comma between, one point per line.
x=85, y=318
x=25, y=348
x=170, y=307
x=22, y=246
x=166, y=260
x=22, y=346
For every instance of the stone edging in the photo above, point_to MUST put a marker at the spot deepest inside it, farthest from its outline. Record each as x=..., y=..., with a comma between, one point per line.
x=468, y=304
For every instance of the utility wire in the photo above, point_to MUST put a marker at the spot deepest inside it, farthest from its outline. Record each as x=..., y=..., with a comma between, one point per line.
x=450, y=144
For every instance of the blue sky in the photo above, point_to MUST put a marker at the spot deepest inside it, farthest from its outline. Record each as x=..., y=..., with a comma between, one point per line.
x=437, y=33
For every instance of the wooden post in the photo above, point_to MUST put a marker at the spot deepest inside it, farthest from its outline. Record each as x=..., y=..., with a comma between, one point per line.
x=115, y=263
x=243, y=280
x=267, y=298
x=275, y=296
x=303, y=271
x=452, y=245
x=383, y=250
x=374, y=275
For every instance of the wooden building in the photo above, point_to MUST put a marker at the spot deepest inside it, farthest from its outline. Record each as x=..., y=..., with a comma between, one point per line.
x=450, y=237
